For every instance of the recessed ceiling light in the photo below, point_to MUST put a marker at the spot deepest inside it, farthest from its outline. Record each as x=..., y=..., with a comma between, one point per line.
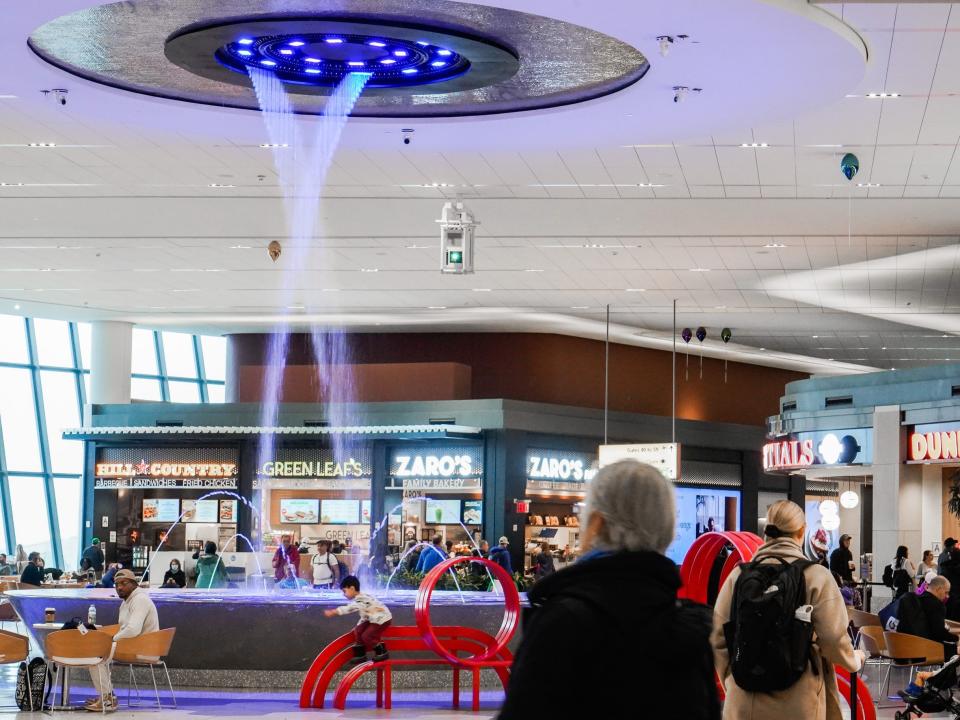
x=482, y=289
x=369, y=270
x=330, y=290
x=42, y=145
x=387, y=61
x=436, y=307
x=409, y=71
x=240, y=247
x=814, y=336
x=635, y=289
x=245, y=41
x=274, y=145
x=882, y=95
x=444, y=53
x=311, y=71
x=699, y=269
x=376, y=43
x=285, y=51
x=312, y=60
x=16, y=307
x=754, y=145
x=296, y=43
x=944, y=335
x=763, y=348
x=295, y=307
x=893, y=368
x=218, y=185
x=533, y=270
x=333, y=40
x=884, y=347
x=6, y=184
x=774, y=245
x=356, y=63
x=868, y=185
x=579, y=307
x=268, y=63
x=245, y=53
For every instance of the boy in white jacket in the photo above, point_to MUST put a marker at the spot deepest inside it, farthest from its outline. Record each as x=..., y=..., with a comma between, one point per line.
x=375, y=618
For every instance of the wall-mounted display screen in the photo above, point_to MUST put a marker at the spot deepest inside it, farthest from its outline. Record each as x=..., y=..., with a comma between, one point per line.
x=443, y=512
x=161, y=510
x=340, y=512
x=228, y=511
x=702, y=510
x=299, y=510
x=472, y=512
x=365, y=511
x=200, y=511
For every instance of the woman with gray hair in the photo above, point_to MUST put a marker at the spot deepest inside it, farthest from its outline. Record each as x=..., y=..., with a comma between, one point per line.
x=616, y=611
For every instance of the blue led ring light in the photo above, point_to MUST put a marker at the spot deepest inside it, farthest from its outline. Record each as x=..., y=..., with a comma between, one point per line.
x=324, y=59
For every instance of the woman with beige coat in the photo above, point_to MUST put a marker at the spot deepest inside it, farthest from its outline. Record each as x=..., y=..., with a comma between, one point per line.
x=815, y=695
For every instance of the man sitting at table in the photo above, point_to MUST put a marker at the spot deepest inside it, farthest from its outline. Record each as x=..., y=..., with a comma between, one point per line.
x=33, y=572
x=5, y=567
x=925, y=615
x=138, y=616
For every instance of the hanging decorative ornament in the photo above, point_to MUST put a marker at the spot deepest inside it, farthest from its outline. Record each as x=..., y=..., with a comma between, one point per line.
x=686, y=334
x=725, y=335
x=849, y=499
x=701, y=336
x=849, y=166
x=274, y=249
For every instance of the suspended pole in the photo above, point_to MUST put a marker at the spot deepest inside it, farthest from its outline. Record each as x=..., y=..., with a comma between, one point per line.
x=673, y=412
x=606, y=379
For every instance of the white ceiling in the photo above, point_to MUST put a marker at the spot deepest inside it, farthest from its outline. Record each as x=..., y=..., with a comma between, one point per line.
x=120, y=221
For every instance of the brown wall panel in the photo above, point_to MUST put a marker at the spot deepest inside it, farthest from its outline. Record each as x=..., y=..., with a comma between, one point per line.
x=541, y=368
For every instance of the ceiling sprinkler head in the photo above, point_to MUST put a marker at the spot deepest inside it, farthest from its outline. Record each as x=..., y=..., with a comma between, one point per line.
x=274, y=249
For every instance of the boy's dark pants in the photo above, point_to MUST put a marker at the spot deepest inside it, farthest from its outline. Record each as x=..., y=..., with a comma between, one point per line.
x=368, y=634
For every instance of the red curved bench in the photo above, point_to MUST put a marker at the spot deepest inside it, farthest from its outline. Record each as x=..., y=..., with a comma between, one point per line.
x=455, y=646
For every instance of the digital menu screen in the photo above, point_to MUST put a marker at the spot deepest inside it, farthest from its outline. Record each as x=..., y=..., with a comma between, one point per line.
x=340, y=512
x=161, y=510
x=473, y=512
x=443, y=512
x=228, y=511
x=365, y=511
x=199, y=511
x=299, y=510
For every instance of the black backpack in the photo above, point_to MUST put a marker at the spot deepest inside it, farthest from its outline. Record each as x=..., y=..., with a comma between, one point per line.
x=769, y=647
x=30, y=696
x=887, y=578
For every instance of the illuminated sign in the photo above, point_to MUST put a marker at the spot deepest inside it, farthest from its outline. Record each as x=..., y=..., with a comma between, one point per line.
x=163, y=483
x=165, y=470
x=933, y=443
x=665, y=457
x=314, y=469
x=446, y=462
x=548, y=465
x=810, y=449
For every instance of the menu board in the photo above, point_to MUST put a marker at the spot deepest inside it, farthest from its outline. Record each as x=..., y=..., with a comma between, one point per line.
x=200, y=511
x=299, y=510
x=472, y=512
x=443, y=512
x=228, y=511
x=340, y=512
x=161, y=510
x=365, y=511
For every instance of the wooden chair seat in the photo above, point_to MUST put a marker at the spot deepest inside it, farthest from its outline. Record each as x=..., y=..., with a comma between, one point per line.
x=147, y=650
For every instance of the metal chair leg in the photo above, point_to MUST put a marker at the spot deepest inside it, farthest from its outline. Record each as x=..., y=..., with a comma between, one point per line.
x=136, y=685
x=153, y=676
x=130, y=686
x=103, y=703
x=169, y=683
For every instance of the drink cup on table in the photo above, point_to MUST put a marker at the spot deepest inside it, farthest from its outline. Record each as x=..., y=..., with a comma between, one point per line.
x=50, y=614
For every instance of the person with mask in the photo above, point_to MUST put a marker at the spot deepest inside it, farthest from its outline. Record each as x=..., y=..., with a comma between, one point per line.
x=814, y=694
x=174, y=577
x=617, y=609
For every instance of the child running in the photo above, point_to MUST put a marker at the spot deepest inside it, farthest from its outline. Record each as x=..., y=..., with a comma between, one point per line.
x=374, y=620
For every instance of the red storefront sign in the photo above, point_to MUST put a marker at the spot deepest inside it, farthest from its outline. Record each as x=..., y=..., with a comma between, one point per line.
x=939, y=446
x=788, y=454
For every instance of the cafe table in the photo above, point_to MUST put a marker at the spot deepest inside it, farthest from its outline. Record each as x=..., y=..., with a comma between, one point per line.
x=65, y=674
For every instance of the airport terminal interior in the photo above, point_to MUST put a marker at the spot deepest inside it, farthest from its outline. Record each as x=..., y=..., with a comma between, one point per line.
x=477, y=358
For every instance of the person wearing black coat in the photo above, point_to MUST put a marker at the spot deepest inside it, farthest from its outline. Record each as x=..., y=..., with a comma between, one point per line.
x=639, y=651
x=924, y=615
x=841, y=558
x=950, y=569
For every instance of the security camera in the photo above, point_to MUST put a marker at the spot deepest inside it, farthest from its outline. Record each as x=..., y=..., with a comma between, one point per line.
x=681, y=92
x=407, y=135
x=59, y=95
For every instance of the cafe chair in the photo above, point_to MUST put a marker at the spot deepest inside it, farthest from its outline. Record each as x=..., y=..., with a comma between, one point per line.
x=912, y=652
x=870, y=639
x=146, y=651
x=860, y=619
x=72, y=649
x=110, y=630
x=9, y=614
x=16, y=649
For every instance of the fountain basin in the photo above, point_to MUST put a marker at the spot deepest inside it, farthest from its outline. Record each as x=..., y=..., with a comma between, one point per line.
x=242, y=631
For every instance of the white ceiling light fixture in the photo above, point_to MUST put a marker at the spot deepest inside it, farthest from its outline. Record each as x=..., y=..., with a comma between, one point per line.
x=220, y=186
x=42, y=145
x=882, y=95
x=483, y=289
x=774, y=246
x=830, y=522
x=6, y=184
x=271, y=146
x=868, y=185
x=635, y=290
x=369, y=270
x=754, y=145
x=849, y=499
x=699, y=269
x=436, y=307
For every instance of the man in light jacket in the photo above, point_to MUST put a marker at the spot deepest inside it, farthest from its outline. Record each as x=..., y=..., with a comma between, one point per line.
x=138, y=616
x=814, y=696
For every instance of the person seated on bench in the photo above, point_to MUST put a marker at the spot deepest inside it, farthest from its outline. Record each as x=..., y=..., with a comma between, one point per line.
x=925, y=615
x=375, y=618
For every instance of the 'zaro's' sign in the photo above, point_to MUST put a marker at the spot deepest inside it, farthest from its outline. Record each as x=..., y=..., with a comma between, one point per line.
x=935, y=445
x=543, y=465
x=432, y=466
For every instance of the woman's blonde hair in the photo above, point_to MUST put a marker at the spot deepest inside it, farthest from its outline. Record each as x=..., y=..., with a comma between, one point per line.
x=787, y=517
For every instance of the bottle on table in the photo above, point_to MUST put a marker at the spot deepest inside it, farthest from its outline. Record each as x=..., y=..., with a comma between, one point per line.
x=92, y=615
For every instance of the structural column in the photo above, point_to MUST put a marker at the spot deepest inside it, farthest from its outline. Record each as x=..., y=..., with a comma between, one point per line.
x=886, y=490
x=111, y=349
x=932, y=510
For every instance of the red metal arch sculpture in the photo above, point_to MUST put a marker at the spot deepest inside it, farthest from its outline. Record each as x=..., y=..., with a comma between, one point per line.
x=445, y=642
x=698, y=565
